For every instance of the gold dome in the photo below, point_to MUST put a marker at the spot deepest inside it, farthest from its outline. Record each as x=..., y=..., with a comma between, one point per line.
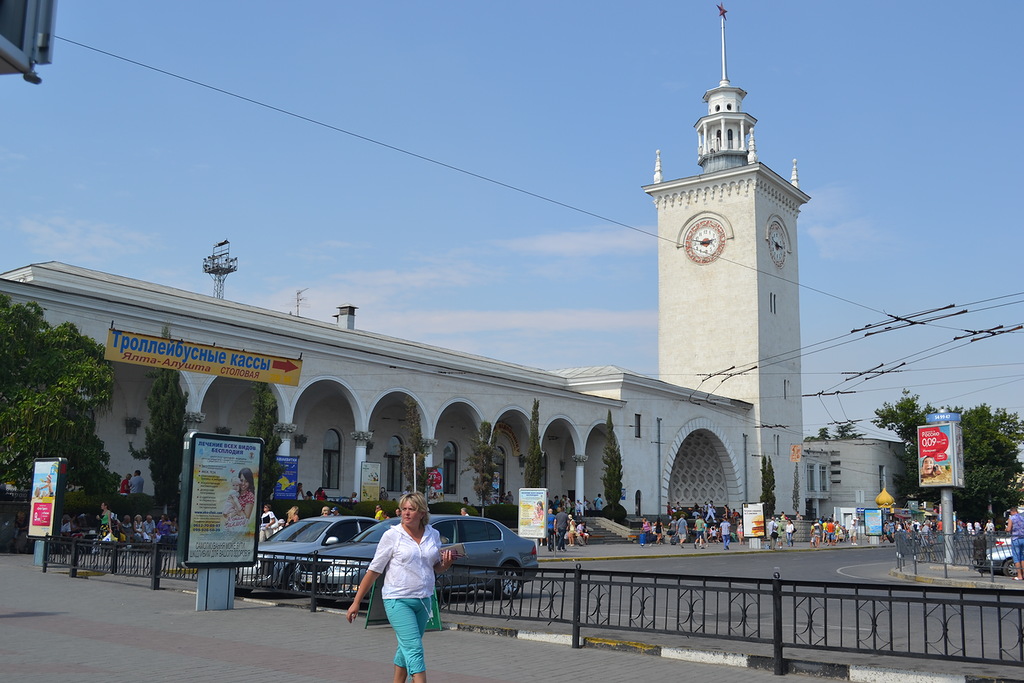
x=884, y=500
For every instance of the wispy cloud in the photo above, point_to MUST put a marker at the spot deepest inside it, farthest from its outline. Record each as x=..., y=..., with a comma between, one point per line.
x=584, y=244
x=79, y=241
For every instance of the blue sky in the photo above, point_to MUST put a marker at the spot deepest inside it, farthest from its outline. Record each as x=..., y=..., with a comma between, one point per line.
x=904, y=118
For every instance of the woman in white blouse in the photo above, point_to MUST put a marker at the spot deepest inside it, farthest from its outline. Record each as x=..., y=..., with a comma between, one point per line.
x=411, y=553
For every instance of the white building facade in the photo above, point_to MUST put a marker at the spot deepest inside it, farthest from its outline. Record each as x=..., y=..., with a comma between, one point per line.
x=728, y=393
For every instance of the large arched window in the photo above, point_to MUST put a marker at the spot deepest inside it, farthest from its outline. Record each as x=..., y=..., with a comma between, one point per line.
x=451, y=468
x=332, y=460
x=393, y=458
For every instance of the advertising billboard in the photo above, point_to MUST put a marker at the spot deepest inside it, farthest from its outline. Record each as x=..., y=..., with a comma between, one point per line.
x=219, y=516
x=940, y=455
x=533, y=513
x=46, y=503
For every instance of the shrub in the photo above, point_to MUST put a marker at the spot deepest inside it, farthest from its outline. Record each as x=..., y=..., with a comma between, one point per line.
x=614, y=512
x=504, y=513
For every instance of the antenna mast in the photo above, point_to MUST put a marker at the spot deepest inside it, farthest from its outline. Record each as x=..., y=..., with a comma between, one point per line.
x=219, y=265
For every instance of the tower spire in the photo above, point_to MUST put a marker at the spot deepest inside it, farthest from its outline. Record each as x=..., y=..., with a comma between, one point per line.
x=725, y=73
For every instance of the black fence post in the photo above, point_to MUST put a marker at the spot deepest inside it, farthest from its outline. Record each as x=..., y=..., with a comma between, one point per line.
x=780, y=663
x=73, y=569
x=577, y=601
x=155, y=567
x=312, y=581
x=46, y=552
x=114, y=556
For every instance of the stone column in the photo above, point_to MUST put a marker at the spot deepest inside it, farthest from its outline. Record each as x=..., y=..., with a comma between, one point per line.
x=580, y=459
x=361, y=439
x=193, y=418
x=285, y=430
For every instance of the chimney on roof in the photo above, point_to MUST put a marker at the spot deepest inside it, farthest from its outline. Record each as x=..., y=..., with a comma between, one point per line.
x=346, y=316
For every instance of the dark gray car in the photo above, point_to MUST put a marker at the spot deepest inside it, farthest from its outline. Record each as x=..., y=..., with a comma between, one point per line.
x=488, y=545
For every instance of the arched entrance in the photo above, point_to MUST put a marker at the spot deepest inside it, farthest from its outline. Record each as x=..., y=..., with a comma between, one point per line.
x=698, y=473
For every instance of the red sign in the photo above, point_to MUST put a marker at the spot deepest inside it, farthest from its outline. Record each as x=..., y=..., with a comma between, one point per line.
x=932, y=443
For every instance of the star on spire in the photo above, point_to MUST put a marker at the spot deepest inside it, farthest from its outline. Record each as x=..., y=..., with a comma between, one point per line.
x=722, y=11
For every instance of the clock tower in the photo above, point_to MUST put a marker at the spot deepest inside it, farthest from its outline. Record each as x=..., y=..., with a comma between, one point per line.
x=728, y=274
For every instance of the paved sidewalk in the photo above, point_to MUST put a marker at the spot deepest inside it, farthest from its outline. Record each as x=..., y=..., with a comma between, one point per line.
x=113, y=629
x=108, y=630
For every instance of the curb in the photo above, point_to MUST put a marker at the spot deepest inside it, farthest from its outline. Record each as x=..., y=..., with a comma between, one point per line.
x=842, y=672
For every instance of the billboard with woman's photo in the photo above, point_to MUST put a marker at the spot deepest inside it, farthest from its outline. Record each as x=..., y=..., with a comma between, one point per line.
x=218, y=518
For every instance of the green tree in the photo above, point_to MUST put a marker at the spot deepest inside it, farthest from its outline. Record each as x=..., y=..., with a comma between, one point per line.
x=846, y=430
x=902, y=419
x=611, y=477
x=264, y=418
x=532, y=471
x=481, y=462
x=796, y=488
x=52, y=381
x=992, y=441
x=413, y=449
x=164, y=434
x=768, y=485
x=823, y=435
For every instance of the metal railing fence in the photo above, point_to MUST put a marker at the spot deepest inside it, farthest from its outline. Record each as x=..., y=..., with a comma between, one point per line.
x=958, y=624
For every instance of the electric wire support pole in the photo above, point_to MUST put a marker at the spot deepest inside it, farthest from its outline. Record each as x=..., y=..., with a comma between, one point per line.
x=219, y=265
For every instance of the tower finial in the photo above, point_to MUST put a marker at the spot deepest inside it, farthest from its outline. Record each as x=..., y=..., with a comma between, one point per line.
x=725, y=73
x=657, y=165
x=752, y=149
x=794, y=179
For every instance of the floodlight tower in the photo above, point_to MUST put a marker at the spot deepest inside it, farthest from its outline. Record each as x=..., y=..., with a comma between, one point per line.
x=219, y=265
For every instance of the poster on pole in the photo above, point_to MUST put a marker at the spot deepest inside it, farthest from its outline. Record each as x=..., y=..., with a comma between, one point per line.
x=286, y=488
x=435, y=484
x=46, y=504
x=873, y=522
x=753, y=520
x=533, y=513
x=369, y=481
x=218, y=518
x=940, y=455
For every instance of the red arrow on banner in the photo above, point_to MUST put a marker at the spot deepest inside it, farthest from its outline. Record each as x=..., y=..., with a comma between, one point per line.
x=285, y=365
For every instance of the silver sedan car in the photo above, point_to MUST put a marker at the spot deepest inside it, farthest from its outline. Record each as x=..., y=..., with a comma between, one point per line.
x=495, y=557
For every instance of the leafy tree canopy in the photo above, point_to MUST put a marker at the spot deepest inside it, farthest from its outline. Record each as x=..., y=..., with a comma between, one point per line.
x=164, y=433
x=534, y=455
x=481, y=461
x=52, y=381
x=992, y=441
x=264, y=418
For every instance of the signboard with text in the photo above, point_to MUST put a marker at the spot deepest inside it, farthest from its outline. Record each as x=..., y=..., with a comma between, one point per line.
x=46, y=503
x=286, y=488
x=369, y=481
x=173, y=354
x=218, y=517
x=940, y=455
x=533, y=513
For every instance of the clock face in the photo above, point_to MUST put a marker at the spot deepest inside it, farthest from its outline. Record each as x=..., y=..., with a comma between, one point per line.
x=777, y=245
x=704, y=241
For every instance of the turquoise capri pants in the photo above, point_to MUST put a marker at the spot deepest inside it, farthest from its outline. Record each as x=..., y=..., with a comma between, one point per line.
x=408, y=617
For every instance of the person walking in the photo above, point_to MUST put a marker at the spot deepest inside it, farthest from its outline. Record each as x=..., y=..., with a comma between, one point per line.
x=1015, y=527
x=726, y=533
x=551, y=530
x=561, y=528
x=412, y=555
x=790, y=529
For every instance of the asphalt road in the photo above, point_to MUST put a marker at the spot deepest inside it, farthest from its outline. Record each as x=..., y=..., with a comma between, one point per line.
x=870, y=564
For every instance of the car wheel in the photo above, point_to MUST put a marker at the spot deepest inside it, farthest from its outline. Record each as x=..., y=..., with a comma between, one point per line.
x=1009, y=568
x=509, y=581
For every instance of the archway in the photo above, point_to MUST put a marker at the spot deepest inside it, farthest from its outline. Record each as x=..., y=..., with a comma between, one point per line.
x=698, y=473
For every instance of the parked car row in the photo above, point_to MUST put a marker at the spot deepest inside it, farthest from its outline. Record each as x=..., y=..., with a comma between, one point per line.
x=495, y=557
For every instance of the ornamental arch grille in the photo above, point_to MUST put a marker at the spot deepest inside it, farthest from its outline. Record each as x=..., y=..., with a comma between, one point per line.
x=698, y=474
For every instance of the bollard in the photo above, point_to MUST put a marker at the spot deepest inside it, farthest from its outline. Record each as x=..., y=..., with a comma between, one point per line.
x=154, y=578
x=312, y=581
x=73, y=570
x=577, y=601
x=780, y=664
